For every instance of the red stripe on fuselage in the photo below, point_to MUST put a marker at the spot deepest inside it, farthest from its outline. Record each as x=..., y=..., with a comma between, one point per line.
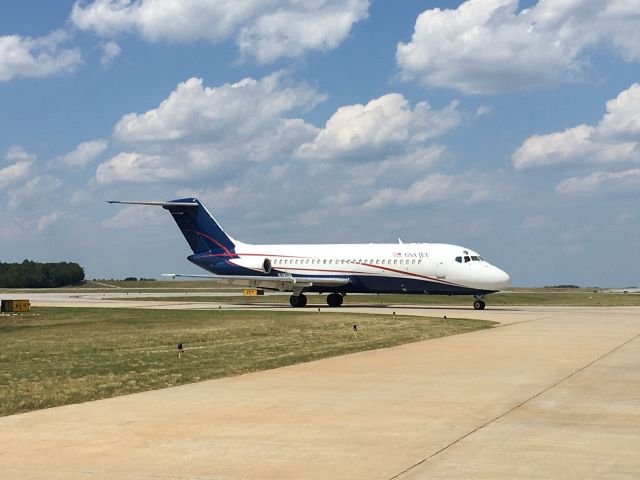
x=437, y=280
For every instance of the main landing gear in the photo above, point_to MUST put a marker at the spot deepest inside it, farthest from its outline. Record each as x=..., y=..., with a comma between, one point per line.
x=479, y=303
x=334, y=300
x=298, y=301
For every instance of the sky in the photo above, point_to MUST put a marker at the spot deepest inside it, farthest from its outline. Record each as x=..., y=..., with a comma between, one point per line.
x=509, y=127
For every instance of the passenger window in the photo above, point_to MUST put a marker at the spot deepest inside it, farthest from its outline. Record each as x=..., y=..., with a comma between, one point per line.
x=459, y=259
x=395, y=262
x=413, y=261
x=419, y=262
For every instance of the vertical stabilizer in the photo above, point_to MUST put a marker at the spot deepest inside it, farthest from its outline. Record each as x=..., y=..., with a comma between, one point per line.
x=199, y=228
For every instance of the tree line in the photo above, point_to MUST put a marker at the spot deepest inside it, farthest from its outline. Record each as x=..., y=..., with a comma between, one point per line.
x=30, y=274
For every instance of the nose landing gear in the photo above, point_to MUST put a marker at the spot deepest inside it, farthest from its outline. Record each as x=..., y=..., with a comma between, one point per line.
x=479, y=303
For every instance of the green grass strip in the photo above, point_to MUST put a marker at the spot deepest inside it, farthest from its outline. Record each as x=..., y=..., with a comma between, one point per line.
x=58, y=356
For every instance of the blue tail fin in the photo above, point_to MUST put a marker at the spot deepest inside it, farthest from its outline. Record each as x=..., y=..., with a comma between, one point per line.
x=199, y=228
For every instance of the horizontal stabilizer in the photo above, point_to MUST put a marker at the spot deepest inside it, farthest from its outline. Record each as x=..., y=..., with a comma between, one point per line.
x=159, y=204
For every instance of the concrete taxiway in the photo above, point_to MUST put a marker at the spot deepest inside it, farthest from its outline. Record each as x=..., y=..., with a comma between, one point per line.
x=551, y=393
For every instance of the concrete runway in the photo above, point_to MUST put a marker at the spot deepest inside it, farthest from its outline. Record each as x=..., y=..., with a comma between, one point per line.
x=552, y=393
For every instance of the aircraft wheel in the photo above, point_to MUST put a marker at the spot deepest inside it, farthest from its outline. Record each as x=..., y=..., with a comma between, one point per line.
x=479, y=305
x=340, y=299
x=334, y=300
x=298, y=301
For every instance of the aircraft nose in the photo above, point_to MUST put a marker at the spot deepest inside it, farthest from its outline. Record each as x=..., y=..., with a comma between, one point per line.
x=494, y=279
x=500, y=279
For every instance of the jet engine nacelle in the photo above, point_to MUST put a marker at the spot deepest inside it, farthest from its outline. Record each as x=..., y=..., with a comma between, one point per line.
x=260, y=264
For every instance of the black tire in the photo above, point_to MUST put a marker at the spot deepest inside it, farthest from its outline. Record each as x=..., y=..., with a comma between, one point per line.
x=334, y=300
x=478, y=305
x=340, y=299
x=298, y=301
x=482, y=304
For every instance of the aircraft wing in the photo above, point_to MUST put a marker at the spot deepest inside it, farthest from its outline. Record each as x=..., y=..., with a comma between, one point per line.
x=273, y=283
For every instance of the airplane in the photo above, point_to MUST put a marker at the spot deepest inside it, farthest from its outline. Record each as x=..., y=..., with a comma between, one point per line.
x=338, y=269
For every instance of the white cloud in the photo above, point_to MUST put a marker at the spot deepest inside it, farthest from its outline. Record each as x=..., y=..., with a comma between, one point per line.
x=622, y=119
x=467, y=188
x=14, y=173
x=184, y=21
x=212, y=132
x=83, y=154
x=265, y=29
x=309, y=25
x=385, y=122
x=18, y=153
x=36, y=57
x=132, y=216
x=193, y=112
x=47, y=220
x=615, y=139
x=488, y=46
x=17, y=171
x=110, y=51
x=395, y=169
x=132, y=167
x=614, y=182
x=36, y=187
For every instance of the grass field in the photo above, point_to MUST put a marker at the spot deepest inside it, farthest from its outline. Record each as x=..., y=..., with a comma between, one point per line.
x=58, y=356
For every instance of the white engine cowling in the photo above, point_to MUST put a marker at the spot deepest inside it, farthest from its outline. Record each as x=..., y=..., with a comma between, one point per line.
x=260, y=264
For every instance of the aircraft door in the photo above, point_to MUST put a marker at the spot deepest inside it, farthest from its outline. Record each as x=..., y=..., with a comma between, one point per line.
x=441, y=270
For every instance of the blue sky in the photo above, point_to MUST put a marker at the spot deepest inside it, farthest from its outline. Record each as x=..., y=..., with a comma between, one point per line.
x=509, y=127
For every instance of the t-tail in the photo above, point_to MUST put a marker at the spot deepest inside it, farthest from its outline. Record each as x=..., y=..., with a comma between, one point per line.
x=197, y=225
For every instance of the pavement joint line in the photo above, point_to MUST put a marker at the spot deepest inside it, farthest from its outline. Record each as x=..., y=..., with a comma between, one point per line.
x=513, y=409
x=521, y=321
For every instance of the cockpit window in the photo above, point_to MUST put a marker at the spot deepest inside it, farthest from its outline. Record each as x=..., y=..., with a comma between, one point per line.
x=467, y=258
x=475, y=259
x=459, y=259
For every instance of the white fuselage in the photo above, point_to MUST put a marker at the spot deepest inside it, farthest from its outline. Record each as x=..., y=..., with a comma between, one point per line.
x=443, y=265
